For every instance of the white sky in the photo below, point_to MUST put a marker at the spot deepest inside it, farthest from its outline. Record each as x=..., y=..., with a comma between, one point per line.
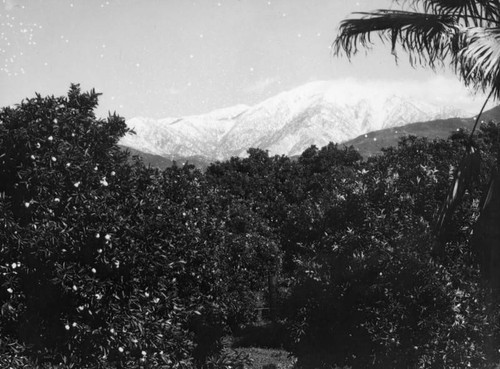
x=161, y=58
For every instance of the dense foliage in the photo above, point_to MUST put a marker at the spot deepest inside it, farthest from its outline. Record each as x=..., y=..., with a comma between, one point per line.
x=105, y=262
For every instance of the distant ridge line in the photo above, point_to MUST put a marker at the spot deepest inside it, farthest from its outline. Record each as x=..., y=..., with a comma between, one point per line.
x=368, y=144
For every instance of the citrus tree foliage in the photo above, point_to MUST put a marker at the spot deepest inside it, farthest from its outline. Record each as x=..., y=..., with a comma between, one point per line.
x=367, y=291
x=106, y=262
x=267, y=183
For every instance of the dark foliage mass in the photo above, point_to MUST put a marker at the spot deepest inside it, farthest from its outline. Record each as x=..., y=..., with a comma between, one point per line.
x=106, y=262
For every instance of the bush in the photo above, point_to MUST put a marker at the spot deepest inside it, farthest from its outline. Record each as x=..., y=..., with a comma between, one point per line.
x=107, y=263
x=366, y=291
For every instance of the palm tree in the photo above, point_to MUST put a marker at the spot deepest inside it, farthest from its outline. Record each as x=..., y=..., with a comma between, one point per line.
x=465, y=36
x=462, y=33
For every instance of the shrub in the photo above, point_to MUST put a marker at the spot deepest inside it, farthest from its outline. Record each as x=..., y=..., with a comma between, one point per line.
x=366, y=291
x=104, y=262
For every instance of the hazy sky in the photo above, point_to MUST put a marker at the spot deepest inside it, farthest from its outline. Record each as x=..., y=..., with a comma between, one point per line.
x=160, y=58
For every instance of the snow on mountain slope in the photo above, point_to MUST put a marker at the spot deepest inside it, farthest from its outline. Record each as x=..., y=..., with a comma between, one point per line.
x=288, y=123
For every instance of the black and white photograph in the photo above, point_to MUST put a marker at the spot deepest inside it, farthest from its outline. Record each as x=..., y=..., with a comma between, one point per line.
x=250, y=184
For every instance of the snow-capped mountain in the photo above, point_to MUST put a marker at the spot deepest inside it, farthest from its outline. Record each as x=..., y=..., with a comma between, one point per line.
x=288, y=123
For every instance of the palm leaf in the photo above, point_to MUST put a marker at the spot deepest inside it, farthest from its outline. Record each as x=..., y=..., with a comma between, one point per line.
x=474, y=52
x=427, y=38
x=471, y=12
x=487, y=200
x=468, y=171
x=478, y=61
x=485, y=240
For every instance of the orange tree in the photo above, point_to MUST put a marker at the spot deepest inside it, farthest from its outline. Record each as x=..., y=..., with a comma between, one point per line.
x=104, y=262
x=366, y=291
x=465, y=35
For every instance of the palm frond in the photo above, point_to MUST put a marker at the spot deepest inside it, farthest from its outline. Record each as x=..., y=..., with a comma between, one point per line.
x=427, y=38
x=487, y=200
x=485, y=240
x=472, y=12
x=478, y=61
x=467, y=173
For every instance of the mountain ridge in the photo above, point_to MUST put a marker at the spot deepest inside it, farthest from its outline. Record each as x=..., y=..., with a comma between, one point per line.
x=368, y=144
x=285, y=124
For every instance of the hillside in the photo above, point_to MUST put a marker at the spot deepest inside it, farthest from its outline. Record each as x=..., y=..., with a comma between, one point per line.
x=371, y=143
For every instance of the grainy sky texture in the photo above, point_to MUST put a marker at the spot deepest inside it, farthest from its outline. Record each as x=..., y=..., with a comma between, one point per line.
x=163, y=58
